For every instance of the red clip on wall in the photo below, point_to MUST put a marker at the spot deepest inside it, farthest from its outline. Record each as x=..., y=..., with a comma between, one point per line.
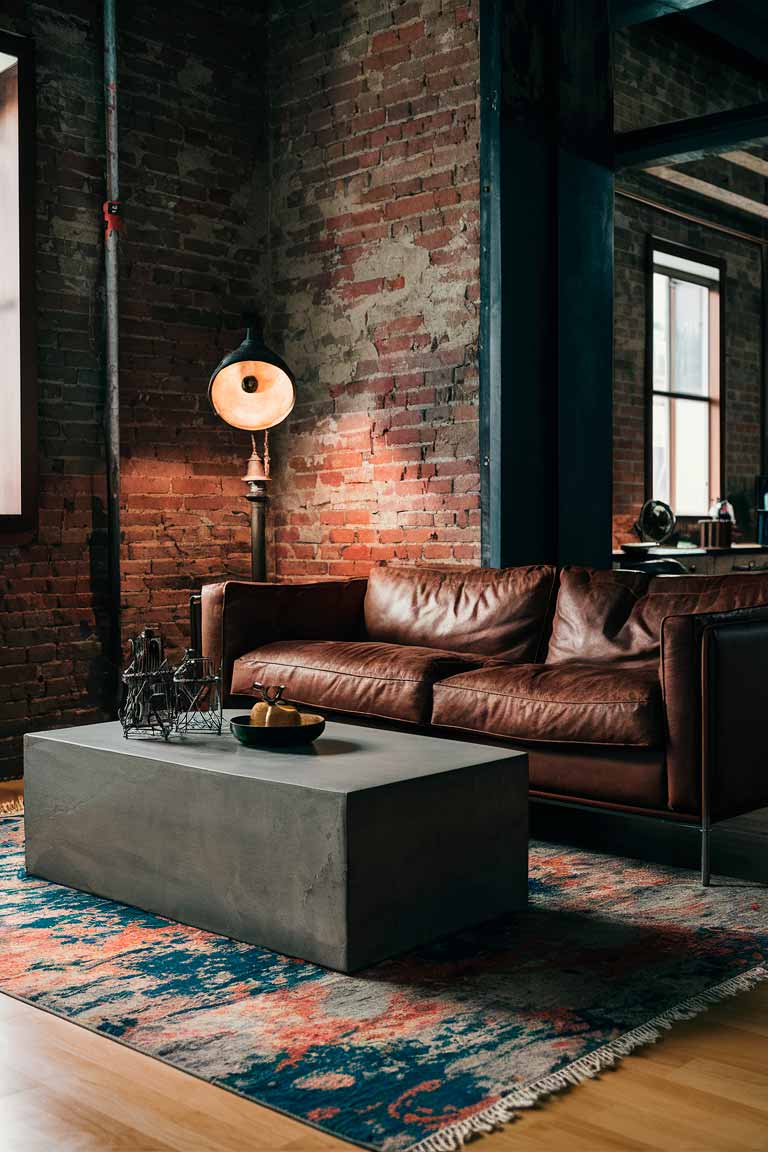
x=111, y=212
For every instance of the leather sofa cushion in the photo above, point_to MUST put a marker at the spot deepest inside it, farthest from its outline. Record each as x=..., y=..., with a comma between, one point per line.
x=388, y=681
x=591, y=614
x=495, y=612
x=618, y=615
x=238, y=614
x=581, y=702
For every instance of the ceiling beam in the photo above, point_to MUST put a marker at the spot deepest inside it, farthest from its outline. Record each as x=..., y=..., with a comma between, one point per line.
x=744, y=30
x=756, y=7
x=681, y=140
x=626, y=12
x=712, y=191
x=748, y=160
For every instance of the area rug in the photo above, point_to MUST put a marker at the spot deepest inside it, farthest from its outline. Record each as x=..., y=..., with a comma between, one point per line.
x=419, y=1053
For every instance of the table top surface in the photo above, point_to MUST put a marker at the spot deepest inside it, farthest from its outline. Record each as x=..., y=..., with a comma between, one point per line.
x=346, y=758
x=657, y=550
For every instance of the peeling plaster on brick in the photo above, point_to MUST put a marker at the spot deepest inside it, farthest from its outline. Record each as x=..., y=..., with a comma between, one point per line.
x=375, y=251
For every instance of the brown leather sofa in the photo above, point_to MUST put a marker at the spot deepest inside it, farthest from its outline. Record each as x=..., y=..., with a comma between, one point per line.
x=629, y=692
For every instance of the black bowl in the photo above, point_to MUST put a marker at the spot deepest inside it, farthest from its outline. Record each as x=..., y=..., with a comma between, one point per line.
x=257, y=736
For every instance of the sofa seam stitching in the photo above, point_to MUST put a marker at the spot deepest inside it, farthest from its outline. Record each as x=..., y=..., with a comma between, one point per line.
x=541, y=739
x=544, y=700
x=342, y=672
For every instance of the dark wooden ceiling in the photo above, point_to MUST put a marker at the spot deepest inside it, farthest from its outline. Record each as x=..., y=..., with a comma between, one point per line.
x=700, y=159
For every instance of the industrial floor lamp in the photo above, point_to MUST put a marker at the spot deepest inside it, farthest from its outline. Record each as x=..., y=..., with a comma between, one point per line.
x=254, y=389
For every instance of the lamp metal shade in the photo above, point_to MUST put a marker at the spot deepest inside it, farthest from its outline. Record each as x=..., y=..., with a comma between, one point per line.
x=252, y=388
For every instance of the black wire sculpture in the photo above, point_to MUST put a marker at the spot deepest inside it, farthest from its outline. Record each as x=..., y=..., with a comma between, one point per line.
x=161, y=700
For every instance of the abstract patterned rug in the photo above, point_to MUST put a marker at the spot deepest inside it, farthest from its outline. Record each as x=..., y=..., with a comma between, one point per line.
x=415, y=1054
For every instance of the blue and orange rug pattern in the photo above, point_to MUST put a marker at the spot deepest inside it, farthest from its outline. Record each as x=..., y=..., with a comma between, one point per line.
x=419, y=1053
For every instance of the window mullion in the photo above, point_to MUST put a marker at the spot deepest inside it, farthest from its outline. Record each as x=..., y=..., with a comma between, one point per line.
x=670, y=384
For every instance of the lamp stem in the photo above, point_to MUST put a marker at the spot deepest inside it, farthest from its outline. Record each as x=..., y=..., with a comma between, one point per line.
x=266, y=452
x=258, y=502
x=256, y=494
x=257, y=498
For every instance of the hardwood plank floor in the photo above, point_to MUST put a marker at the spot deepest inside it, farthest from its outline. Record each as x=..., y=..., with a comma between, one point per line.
x=704, y=1088
x=10, y=790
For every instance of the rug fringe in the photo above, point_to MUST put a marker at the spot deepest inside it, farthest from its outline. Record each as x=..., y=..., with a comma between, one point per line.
x=12, y=807
x=585, y=1068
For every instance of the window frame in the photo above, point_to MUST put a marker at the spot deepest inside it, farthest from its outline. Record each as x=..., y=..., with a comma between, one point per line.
x=670, y=248
x=17, y=527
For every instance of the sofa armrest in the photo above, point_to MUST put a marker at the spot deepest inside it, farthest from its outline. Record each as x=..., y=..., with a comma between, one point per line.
x=714, y=693
x=239, y=616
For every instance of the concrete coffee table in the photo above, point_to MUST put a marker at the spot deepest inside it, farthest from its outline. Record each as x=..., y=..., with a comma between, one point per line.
x=366, y=844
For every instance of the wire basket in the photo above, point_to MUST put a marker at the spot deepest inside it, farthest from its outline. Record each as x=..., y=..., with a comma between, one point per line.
x=197, y=694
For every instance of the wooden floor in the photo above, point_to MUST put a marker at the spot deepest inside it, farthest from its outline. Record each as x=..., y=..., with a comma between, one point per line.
x=704, y=1088
x=10, y=790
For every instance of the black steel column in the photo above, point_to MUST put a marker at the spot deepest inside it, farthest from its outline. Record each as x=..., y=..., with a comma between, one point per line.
x=585, y=191
x=490, y=281
x=518, y=289
x=546, y=280
x=764, y=359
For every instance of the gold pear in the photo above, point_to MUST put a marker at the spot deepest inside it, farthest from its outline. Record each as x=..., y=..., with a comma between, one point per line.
x=259, y=714
x=282, y=716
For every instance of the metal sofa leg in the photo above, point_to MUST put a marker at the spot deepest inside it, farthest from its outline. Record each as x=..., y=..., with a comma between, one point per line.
x=706, y=810
x=705, y=853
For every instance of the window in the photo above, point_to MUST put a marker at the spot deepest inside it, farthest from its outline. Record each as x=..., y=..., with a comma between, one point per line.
x=18, y=434
x=685, y=382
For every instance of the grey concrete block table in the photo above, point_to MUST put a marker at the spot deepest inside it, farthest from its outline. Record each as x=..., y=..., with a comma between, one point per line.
x=366, y=844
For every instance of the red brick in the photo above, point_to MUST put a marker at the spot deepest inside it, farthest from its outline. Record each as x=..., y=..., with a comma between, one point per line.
x=411, y=205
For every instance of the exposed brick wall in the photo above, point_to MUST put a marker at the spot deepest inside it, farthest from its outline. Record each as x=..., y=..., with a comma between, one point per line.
x=662, y=77
x=356, y=135
x=192, y=133
x=50, y=618
x=194, y=181
x=375, y=268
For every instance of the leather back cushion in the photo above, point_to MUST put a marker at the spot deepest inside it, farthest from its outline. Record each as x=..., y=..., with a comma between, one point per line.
x=616, y=615
x=492, y=612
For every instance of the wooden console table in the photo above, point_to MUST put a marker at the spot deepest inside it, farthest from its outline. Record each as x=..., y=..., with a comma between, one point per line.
x=704, y=561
